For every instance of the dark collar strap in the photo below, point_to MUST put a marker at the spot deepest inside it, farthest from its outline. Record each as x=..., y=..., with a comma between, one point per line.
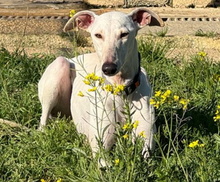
x=133, y=84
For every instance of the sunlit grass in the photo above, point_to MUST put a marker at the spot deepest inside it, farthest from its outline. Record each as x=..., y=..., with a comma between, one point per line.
x=186, y=99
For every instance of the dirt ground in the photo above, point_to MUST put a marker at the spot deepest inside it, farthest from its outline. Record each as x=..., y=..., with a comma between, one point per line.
x=181, y=46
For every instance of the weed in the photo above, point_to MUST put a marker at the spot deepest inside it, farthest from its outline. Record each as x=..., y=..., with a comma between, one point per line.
x=78, y=38
x=163, y=32
x=201, y=33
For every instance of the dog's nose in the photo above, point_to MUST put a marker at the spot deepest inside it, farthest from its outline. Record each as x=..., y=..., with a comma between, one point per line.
x=109, y=69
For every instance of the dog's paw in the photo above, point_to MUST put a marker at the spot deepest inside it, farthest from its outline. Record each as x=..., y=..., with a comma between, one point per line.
x=103, y=164
x=41, y=128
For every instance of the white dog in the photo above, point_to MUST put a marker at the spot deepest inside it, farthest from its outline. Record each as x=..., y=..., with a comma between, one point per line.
x=116, y=59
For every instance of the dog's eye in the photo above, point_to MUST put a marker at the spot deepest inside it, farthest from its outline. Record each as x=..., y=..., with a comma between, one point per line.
x=124, y=34
x=99, y=36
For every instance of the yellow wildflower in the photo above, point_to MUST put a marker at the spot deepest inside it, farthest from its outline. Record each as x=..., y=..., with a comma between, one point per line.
x=72, y=13
x=152, y=102
x=217, y=113
x=163, y=98
x=92, y=76
x=176, y=97
x=92, y=89
x=108, y=88
x=157, y=93
x=125, y=136
x=184, y=102
x=43, y=180
x=87, y=82
x=80, y=94
x=142, y=134
x=216, y=118
x=202, y=54
x=101, y=81
x=126, y=126
x=157, y=105
x=117, y=161
x=196, y=144
x=120, y=87
x=116, y=91
x=59, y=180
x=167, y=93
x=135, y=124
x=95, y=78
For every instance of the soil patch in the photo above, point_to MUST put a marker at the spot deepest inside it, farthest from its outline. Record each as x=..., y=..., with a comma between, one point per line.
x=181, y=46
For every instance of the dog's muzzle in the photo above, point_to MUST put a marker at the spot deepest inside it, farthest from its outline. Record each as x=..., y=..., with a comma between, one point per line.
x=109, y=69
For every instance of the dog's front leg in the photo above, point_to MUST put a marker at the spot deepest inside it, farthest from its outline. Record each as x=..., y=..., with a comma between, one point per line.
x=144, y=114
x=146, y=128
x=102, y=127
x=102, y=139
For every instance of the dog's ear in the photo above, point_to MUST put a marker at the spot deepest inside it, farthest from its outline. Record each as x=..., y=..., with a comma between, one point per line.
x=82, y=20
x=143, y=17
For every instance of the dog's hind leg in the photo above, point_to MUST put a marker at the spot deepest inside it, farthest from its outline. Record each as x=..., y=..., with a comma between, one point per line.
x=46, y=110
x=54, y=89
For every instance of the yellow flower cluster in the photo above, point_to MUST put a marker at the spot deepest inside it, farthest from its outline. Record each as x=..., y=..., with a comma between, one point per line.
x=135, y=124
x=217, y=114
x=117, y=161
x=72, y=13
x=195, y=144
x=114, y=89
x=184, y=103
x=80, y=94
x=93, y=89
x=160, y=98
x=128, y=126
x=202, y=54
x=125, y=136
x=93, y=80
x=142, y=134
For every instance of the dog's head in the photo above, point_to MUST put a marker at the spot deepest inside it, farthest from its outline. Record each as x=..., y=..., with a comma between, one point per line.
x=113, y=35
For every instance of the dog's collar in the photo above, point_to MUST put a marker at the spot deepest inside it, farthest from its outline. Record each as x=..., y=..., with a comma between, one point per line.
x=133, y=84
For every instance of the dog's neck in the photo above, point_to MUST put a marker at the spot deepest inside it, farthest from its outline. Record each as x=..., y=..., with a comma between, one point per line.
x=135, y=82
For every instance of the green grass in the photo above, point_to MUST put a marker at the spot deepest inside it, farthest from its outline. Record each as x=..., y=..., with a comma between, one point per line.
x=61, y=153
